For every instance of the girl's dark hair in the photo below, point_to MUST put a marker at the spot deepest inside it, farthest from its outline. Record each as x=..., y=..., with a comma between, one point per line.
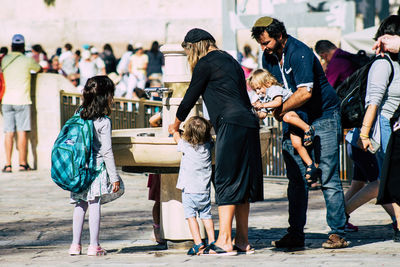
x=154, y=47
x=129, y=48
x=108, y=47
x=38, y=48
x=275, y=29
x=97, y=96
x=390, y=25
x=197, y=131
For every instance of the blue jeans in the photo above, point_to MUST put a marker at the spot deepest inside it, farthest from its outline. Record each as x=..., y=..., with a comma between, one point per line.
x=326, y=153
x=386, y=131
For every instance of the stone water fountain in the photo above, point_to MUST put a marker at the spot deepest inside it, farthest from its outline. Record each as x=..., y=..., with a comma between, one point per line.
x=152, y=150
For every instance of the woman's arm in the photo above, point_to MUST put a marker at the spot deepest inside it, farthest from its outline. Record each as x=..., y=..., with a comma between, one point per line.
x=369, y=118
x=198, y=84
x=172, y=128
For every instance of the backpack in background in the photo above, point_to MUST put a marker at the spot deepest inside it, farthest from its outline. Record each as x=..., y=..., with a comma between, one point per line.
x=360, y=59
x=352, y=95
x=72, y=162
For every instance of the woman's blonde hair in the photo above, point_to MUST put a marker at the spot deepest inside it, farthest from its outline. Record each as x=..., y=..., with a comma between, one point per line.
x=197, y=50
x=197, y=130
x=261, y=77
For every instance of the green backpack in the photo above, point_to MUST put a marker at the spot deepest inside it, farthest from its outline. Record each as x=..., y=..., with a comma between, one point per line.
x=73, y=167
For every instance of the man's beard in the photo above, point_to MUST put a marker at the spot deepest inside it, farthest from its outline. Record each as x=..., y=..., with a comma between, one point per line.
x=278, y=49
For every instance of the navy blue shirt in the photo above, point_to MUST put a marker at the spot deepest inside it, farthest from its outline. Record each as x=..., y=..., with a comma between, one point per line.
x=302, y=68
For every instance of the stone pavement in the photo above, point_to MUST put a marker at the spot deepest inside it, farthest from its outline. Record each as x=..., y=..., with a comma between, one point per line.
x=35, y=230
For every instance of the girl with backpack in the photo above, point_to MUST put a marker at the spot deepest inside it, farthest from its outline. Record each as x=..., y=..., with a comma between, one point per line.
x=98, y=95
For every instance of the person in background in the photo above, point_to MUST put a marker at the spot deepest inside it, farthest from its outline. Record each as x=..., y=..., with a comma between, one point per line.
x=3, y=52
x=123, y=70
x=74, y=79
x=137, y=68
x=56, y=54
x=99, y=63
x=364, y=184
x=87, y=67
x=16, y=103
x=38, y=54
x=338, y=62
x=123, y=64
x=156, y=60
x=109, y=59
x=249, y=61
x=56, y=67
x=67, y=60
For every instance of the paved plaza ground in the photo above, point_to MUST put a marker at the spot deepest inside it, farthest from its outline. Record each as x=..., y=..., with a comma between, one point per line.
x=36, y=219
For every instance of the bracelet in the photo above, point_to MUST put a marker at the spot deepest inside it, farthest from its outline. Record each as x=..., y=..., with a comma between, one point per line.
x=364, y=135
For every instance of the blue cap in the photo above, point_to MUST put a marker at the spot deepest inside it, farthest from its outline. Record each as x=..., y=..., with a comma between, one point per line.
x=18, y=39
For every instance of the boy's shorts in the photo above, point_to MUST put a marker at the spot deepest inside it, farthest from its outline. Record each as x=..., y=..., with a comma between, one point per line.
x=16, y=118
x=196, y=203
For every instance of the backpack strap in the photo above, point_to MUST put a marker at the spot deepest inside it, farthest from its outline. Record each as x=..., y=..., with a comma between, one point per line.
x=3, y=69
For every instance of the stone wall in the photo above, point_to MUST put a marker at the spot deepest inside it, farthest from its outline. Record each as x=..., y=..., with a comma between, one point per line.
x=96, y=22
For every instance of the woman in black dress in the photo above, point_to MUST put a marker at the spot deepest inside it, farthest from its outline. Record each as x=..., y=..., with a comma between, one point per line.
x=219, y=79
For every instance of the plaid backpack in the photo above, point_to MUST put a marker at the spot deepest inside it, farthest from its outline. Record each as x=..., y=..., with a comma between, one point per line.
x=72, y=164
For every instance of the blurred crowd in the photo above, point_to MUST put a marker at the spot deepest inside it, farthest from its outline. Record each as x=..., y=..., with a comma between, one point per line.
x=135, y=70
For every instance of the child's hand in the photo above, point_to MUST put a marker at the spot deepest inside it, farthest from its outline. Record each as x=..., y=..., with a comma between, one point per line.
x=258, y=105
x=261, y=115
x=116, y=187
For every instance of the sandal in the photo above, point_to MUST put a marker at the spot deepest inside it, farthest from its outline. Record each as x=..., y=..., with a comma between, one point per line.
x=214, y=250
x=309, y=136
x=195, y=249
x=312, y=176
x=7, y=168
x=24, y=168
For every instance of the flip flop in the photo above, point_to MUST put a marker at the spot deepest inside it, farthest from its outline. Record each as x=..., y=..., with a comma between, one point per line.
x=243, y=251
x=218, y=251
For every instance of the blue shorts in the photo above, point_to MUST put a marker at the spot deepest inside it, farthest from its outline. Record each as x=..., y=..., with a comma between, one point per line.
x=16, y=118
x=194, y=203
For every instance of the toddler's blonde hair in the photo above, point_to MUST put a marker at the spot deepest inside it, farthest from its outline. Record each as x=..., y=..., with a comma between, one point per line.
x=261, y=77
x=197, y=130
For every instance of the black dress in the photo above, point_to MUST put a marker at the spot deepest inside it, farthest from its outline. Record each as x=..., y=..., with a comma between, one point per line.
x=389, y=187
x=219, y=79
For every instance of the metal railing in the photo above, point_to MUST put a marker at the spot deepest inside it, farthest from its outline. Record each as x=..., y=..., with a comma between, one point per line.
x=125, y=113
x=276, y=165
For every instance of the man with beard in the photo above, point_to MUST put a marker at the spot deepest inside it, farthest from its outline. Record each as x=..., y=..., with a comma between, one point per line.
x=298, y=69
